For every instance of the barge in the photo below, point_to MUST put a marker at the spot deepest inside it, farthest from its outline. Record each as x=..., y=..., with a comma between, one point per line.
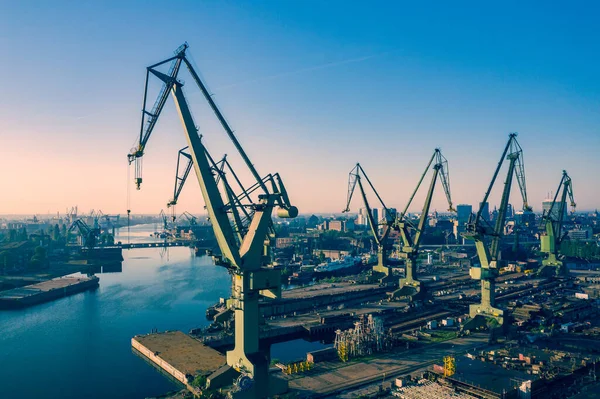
x=46, y=291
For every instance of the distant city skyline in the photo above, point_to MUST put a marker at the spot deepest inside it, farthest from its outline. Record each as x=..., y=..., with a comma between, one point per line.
x=310, y=88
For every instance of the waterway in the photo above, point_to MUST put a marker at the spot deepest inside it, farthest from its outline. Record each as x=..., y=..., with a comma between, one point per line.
x=80, y=346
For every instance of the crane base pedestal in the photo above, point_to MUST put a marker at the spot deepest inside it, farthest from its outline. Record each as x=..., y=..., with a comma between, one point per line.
x=408, y=288
x=383, y=274
x=552, y=267
x=483, y=312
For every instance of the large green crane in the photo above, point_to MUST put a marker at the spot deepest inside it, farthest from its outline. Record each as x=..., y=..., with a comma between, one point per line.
x=553, y=222
x=479, y=229
x=379, y=228
x=243, y=241
x=412, y=234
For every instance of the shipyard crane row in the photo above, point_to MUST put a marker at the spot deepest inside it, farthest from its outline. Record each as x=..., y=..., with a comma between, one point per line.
x=412, y=234
x=241, y=227
x=553, y=221
x=481, y=231
x=379, y=228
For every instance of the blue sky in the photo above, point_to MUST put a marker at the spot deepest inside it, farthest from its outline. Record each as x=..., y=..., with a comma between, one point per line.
x=311, y=88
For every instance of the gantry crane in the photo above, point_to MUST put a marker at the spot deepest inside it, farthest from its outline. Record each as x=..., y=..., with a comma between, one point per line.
x=410, y=286
x=379, y=228
x=243, y=242
x=478, y=229
x=553, y=223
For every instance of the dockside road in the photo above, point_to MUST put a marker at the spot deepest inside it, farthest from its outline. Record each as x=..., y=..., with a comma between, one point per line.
x=331, y=378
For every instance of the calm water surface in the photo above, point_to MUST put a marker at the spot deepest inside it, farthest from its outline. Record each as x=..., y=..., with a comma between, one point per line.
x=80, y=346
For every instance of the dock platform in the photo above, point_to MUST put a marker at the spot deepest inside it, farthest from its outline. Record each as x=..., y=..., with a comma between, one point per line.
x=178, y=354
x=46, y=291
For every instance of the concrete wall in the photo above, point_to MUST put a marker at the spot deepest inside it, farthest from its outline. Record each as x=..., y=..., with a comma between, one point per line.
x=159, y=362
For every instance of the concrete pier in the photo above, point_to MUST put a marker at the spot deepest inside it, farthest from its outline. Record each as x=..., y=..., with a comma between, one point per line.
x=179, y=355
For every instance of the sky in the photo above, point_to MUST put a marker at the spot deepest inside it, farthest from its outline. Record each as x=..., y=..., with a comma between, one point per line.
x=310, y=88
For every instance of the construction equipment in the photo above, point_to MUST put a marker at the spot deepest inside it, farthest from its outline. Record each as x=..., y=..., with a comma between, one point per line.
x=243, y=239
x=553, y=223
x=478, y=229
x=410, y=286
x=379, y=228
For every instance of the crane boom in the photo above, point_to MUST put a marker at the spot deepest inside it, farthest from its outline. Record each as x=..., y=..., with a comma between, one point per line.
x=244, y=247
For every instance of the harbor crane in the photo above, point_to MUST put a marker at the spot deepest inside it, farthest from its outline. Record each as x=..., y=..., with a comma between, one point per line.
x=479, y=230
x=241, y=228
x=412, y=234
x=165, y=221
x=89, y=236
x=192, y=220
x=553, y=221
x=379, y=228
x=181, y=174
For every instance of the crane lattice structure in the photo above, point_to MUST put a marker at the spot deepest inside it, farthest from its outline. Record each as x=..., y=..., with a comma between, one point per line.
x=479, y=230
x=379, y=228
x=412, y=234
x=553, y=221
x=241, y=225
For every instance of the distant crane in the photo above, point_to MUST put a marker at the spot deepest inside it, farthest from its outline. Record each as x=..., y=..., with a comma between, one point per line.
x=192, y=220
x=379, y=228
x=244, y=239
x=89, y=236
x=181, y=174
x=478, y=229
x=553, y=222
x=165, y=221
x=409, y=285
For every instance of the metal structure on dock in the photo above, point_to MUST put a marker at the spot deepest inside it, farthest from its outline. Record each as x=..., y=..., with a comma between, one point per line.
x=488, y=238
x=552, y=221
x=241, y=222
x=379, y=228
x=367, y=337
x=412, y=234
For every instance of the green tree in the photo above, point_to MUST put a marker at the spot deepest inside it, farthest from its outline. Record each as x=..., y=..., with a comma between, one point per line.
x=199, y=381
x=56, y=233
x=321, y=257
x=39, y=258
